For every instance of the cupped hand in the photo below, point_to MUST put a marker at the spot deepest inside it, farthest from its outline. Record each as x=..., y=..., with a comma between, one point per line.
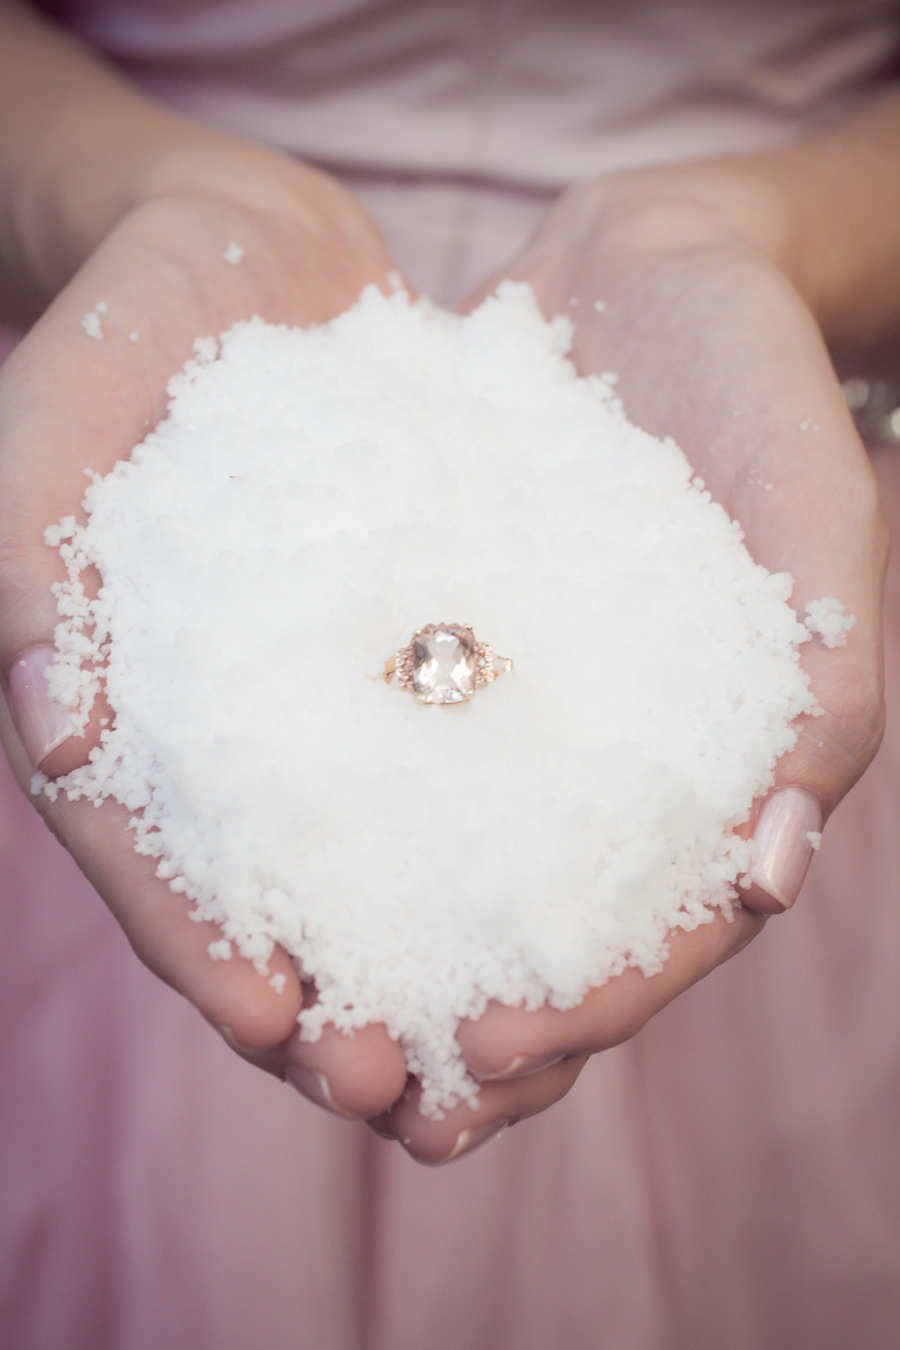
x=712, y=345
x=260, y=236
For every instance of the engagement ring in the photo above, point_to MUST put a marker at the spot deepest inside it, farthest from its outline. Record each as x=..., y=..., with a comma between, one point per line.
x=445, y=663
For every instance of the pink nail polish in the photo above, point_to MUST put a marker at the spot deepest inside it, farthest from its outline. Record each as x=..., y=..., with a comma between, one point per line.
x=314, y=1086
x=470, y=1138
x=230, y=1039
x=41, y=722
x=782, y=837
x=522, y=1066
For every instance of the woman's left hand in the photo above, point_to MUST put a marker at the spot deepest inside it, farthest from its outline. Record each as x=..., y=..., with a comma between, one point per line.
x=712, y=345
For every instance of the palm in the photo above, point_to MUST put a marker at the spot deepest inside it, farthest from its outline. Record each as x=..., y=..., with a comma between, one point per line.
x=720, y=353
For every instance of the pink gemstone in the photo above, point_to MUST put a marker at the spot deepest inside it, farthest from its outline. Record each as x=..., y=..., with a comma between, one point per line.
x=443, y=663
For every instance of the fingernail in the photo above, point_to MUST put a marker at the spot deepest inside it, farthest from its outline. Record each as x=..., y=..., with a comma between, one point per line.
x=520, y=1067
x=314, y=1086
x=41, y=722
x=230, y=1039
x=468, y=1140
x=784, y=849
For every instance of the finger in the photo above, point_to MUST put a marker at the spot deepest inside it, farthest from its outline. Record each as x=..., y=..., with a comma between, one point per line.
x=258, y=1010
x=462, y=1130
x=527, y=1060
x=355, y=1075
x=508, y=1042
x=840, y=551
x=245, y=1005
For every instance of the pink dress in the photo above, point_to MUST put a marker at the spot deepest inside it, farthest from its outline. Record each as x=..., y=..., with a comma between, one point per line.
x=729, y=1179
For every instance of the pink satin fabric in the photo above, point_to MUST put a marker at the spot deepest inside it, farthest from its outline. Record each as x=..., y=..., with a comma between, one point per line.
x=457, y=120
x=727, y=1181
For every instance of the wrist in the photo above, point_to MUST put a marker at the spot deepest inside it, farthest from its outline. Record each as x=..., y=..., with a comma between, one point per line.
x=823, y=212
x=81, y=149
x=68, y=210
x=82, y=182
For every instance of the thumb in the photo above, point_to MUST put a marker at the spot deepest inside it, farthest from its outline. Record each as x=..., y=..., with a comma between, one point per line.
x=50, y=431
x=28, y=616
x=832, y=751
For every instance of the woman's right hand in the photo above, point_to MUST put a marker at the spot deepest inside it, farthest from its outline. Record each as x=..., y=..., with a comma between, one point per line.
x=69, y=403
